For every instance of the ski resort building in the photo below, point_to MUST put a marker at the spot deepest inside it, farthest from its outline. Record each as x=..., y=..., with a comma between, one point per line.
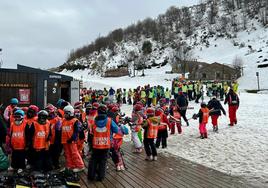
x=215, y=71
x=36, y=86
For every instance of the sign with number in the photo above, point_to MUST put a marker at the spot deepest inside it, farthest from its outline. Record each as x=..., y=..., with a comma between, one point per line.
x=24, y=96
x=54, y=90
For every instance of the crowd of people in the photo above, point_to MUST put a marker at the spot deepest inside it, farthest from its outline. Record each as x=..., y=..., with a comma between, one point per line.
x=34, y=138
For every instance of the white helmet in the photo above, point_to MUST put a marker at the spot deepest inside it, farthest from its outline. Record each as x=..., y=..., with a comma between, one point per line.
x=69, y=110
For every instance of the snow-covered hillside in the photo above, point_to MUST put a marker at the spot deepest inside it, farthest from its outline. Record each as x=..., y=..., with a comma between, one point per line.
x=154, y=76
x=221, y=50
x=231, y=33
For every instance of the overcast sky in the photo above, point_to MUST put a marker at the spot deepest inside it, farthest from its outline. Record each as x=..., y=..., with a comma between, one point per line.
x=41, y=33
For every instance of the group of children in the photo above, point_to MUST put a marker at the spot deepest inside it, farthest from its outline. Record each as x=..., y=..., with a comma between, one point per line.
x=156, y=121
x=35, y=138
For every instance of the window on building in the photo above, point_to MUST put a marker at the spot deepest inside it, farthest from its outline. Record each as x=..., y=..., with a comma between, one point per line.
x=204, y=75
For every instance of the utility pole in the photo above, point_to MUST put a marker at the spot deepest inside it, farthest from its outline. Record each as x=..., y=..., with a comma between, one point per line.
x=258, y=81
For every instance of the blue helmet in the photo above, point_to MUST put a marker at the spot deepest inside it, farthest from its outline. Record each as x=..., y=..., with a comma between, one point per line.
x=20, y=113
x=59, y=102
x=14, y=101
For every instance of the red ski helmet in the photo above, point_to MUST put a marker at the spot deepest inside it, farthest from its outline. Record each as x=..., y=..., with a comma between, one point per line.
x=50, y=108
x=34, y=108
x=95, y=105
x=158, y=111
x=137, y=107
x=77, y=105
x=150, y=111
x=115, y=109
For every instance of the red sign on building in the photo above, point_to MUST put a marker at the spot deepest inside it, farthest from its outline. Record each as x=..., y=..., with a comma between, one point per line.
x=24, y=96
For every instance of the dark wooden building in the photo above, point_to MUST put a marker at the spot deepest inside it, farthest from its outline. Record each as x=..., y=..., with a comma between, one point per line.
x=122, y=71
x=36, y=86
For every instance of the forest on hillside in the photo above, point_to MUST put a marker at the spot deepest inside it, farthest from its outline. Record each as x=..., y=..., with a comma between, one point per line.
x=221, y=18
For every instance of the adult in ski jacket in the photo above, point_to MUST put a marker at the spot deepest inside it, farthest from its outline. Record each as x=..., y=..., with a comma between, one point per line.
x=216, y=108
x=232, y=100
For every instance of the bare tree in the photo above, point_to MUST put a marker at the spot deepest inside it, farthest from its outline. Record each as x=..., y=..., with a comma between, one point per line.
x=238, y=64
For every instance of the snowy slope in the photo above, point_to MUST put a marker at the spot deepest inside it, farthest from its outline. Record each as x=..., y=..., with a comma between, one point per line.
x=223, y=51
x=220, y=50
x=153, y=77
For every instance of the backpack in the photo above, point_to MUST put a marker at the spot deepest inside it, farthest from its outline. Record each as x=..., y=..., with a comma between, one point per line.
x=3, y=160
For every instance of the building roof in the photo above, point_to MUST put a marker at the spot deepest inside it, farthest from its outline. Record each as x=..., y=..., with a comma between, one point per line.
x=207, y=66
x=45, y=73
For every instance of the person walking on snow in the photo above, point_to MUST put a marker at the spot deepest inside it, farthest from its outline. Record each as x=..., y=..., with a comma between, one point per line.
x=182, y=103
x=175, y=117
x=216, y=108
x=203, y=116
x=232, y=100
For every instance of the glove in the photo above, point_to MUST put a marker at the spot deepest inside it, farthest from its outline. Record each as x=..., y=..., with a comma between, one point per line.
x=69, y=141
x=194, y=116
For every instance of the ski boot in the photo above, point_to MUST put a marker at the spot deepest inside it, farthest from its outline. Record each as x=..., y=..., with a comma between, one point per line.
x=39, y=180
x=149, y=158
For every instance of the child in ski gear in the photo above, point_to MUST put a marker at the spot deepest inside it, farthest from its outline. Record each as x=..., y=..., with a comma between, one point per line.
x=117, y=138
x=103, y=131
x=233, y=104
x=162, y=133
x=55, y=147
x=150, y=126
x=175, y=117
x=92, y=113
x=203, y=115
x=215, y=108
x=116, y=144
x=18, y=142
x=82, y=126
x=40, y=132
x=182, y=103
x=31, y=117
x=9, y=109
x=69, y=137
x=8, y=116
x=136, y=121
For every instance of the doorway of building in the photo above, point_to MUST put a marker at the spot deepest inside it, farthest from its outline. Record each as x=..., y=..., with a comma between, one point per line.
x=65, y=91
